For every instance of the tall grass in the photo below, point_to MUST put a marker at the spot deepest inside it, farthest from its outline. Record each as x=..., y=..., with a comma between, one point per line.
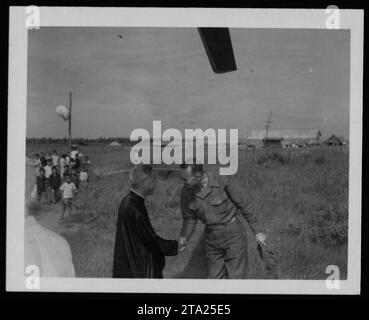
x=302, y=204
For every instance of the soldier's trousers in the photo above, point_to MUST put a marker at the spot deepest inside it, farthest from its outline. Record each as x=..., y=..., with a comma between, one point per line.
x=227, y=251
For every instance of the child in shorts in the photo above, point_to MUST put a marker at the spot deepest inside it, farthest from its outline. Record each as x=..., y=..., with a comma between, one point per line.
x=69, y=191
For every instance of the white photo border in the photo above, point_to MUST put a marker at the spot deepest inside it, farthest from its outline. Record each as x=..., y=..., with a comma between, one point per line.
x=174, y=17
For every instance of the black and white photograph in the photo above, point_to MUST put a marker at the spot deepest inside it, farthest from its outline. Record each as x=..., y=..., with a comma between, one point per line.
x=152, y=148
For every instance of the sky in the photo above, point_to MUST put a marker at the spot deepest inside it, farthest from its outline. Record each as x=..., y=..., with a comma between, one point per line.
x=125, y=78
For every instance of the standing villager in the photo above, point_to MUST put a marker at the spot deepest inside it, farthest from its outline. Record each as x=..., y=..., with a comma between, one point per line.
x=139, y=252
x=74, y=177
x=37, y=164
x=87, y=162
x=62, y=163
x=74, y=152
x=67, y=160
x=55, y=158
x=48, y=172
x=48, y=168
x=43, y=160
x=77, y=162
x=69, y=191
x=209, y=198
x=48, y=156
x=83, y=176
x=41, y=184
x=54, y=184
x=66, y=172
x=73, y=164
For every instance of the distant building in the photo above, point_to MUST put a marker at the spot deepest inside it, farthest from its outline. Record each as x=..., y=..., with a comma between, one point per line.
x=115, y=145
x=289, y=137
x=334, y=141
x=272, y=142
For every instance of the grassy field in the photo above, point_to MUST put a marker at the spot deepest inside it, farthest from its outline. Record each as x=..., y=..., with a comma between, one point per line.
x=303, y=205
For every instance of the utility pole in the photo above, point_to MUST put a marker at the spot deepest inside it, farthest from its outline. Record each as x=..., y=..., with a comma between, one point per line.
x=70, y=121
x=267, y=124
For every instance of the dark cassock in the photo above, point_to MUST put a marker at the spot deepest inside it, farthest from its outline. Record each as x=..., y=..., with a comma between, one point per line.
x=139, y=252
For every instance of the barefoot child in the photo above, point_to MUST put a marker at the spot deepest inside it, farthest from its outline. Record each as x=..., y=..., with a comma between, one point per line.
x=69, y=190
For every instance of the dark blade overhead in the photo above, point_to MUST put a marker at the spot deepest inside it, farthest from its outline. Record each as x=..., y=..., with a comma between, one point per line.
x=218, y=46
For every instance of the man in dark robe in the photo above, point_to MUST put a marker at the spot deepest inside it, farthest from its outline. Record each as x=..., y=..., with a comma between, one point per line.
x=139, y=252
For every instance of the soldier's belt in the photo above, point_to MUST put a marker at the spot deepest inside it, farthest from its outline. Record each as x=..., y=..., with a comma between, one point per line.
x=217, y=226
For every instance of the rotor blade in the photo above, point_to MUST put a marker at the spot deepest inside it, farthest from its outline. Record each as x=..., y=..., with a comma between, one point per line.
x=218, y=46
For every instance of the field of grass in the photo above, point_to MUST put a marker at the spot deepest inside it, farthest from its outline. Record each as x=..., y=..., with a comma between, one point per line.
x=303, y=205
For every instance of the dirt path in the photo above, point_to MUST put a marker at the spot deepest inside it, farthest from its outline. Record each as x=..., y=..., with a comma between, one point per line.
x=50, y=218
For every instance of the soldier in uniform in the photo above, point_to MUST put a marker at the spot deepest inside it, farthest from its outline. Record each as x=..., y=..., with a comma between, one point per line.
x=209, y=198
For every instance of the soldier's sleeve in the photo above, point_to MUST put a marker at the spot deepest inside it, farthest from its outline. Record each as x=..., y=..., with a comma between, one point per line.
x=189, y=219
x=237, y=196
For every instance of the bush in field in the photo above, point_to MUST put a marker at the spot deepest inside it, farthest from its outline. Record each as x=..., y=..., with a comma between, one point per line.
x=268, y=158
x=328, y=227
x=320, y=160
x=319, y=222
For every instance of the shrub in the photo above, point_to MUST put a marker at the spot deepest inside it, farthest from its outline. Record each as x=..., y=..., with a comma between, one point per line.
x=320, y=160
x=328, y=227
x=271, y=157
x=322, y=225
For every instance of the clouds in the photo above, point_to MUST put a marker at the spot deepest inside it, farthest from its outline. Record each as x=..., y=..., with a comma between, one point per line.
x=119, y=84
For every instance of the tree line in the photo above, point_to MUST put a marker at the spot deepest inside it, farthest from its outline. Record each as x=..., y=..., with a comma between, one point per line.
x=80, y=141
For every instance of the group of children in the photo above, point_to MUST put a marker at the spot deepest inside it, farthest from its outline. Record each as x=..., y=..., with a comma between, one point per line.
x=60, y=177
